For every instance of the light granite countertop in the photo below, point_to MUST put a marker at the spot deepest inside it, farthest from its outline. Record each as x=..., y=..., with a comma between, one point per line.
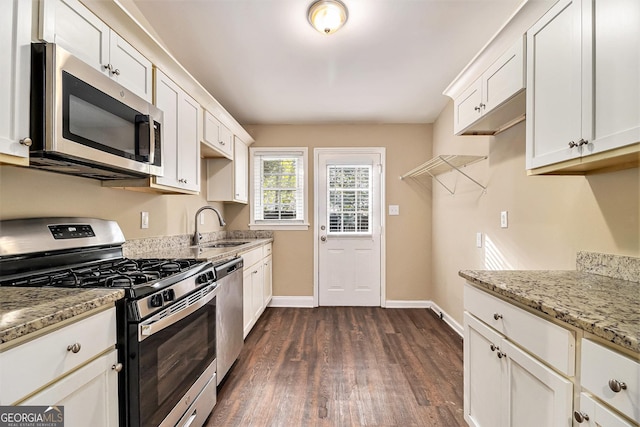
x=203, y=252
x=604, y=306
x=27, y=310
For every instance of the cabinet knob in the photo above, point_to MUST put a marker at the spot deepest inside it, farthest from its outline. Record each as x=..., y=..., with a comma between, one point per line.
x=477, y=108
x=616, y=385
x=483, y=105
x=116, y=72
x=222, y=143
x=580, y=416
x=26, y=142
x=582, y=142
x=493, y=347
x=117, y=367
x=74, y=348
x=572, y=144
x=501, y=354
x=497, y=316
x=107, y=67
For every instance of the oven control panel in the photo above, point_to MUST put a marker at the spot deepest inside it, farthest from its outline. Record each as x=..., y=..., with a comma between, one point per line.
x=75, y=231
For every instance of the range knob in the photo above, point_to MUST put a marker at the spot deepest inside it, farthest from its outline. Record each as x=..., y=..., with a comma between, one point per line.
x=168, y=295
x=155, y=300
x=202, y=279
x=210, y=275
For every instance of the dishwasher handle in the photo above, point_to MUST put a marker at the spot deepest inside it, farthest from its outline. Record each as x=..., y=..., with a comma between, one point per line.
x=229, y=267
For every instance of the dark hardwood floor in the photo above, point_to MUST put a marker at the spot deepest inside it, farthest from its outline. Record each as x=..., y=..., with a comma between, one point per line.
x=345, y=366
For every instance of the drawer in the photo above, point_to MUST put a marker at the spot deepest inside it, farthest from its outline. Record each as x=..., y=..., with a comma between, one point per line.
x=251, y=257
x=549, y=342
x=599, y=415
x=36, y=363
x=266, y=250
x=600, y=365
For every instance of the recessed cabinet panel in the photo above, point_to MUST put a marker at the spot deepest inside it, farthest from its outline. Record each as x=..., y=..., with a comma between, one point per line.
x=616, y=59
x=505, y=77
x=15, y=61
x=554, y=85
x=598, y=415
x=132, y=70
x=217, y=139
x=604, y=371
x=467, y=107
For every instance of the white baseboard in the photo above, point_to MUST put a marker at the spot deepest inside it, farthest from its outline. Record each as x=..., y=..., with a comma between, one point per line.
x=307, y=302
x=299, y=302
x=457, y=328
x=408, y=304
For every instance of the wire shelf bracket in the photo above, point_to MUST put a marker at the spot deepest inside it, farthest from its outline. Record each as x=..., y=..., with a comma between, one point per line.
x=446, y=163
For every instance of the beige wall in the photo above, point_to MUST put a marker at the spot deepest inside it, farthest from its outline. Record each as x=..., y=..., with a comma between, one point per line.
x=408, y=236
x=32, y=193
x=550, y=217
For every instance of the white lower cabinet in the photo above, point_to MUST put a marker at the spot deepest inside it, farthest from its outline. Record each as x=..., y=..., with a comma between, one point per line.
x=75, y=366
x=505, y=386
x=594, y=414
x=89, y=395
x=256, y=285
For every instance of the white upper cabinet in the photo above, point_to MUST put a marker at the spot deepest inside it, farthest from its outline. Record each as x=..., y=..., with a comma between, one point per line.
x=227, y=180
x=217, y=138
x=482, y=108
x=180, y=136
x=71, y=25
x=15, y=43
x=583, y=89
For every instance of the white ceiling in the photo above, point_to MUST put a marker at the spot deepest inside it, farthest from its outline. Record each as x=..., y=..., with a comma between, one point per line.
x=266, y=65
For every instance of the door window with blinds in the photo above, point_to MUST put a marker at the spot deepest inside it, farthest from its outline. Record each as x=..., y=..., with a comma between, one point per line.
x=279, y=188
x=349, y=199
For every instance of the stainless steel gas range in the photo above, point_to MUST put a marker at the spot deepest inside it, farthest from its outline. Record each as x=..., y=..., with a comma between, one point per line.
x=166, y=323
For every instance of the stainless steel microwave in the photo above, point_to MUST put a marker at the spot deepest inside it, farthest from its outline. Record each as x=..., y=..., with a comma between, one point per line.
x=84, y=123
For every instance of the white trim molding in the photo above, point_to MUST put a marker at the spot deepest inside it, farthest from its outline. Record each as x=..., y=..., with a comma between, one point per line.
x=293, y=302
x=450, y=321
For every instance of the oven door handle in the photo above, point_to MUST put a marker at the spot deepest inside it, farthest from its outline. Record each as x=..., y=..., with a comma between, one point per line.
x=158, y=323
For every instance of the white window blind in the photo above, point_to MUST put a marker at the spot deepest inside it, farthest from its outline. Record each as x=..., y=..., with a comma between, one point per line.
x=279, y=187
x=349, y=195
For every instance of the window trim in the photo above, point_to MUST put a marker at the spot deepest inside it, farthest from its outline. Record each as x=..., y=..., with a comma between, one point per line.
x=278, y=224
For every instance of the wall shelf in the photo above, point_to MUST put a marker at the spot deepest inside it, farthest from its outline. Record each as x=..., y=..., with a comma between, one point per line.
x=445, y=163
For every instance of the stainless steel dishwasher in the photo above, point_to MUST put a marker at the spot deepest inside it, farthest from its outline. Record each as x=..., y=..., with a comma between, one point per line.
x=229, y=339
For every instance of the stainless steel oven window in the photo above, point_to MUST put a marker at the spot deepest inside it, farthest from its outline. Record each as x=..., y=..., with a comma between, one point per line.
x=172, y=359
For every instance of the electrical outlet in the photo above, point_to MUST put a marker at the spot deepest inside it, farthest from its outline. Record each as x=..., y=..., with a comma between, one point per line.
x=504, y=219
x=144, y=219
x=478, y=240
x=394, y=210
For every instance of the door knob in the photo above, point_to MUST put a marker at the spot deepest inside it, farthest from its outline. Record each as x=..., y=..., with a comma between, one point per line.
x=323, y=238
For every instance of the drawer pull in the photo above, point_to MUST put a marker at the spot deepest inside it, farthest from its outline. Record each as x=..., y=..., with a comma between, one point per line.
x=493, y=347
x=501, y=354
x=75, y=348
x=117, y=367
x=616, y=385
x=497, y=316
x=580, y=416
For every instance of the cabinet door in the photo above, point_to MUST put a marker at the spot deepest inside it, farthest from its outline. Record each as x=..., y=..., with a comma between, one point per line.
x=614, y=49
x=598, y=414
x=72, y=26
x=189, y=143
x=536, y=395
x=247, y=305
x=89, y=395
x=168, y=96
x=15, y=43
x=257, y=289
x=129, y=67
x=483, y=370
x=554, y=85
x=267, y=272
x=216, y=138
x=466, y=107
x=505, y=77
x=241, y=171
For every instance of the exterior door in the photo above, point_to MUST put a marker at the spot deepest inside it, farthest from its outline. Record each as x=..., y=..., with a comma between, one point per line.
x=348, y=226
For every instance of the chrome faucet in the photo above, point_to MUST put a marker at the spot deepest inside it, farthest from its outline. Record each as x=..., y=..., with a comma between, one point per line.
x=195, y=240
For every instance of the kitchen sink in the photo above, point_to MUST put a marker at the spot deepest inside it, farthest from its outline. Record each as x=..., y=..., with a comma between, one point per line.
x=221, y=244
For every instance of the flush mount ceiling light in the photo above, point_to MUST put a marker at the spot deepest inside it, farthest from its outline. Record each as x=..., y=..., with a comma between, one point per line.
x=327, y=16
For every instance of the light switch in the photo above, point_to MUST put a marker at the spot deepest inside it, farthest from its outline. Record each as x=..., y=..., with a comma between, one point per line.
x=478, y=240
x=394, y=210
x=144, y=219
x=504, y=219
